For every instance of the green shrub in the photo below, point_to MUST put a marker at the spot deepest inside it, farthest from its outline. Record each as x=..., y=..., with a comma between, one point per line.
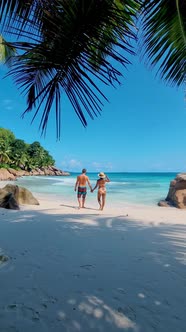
x=4, y=166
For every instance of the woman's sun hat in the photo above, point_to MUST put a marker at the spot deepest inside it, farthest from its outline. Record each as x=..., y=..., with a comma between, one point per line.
x=101, y=175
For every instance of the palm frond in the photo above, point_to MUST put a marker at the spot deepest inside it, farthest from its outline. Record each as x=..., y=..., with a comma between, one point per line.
x=164, y=24
x=78, y=44
x=20, y=15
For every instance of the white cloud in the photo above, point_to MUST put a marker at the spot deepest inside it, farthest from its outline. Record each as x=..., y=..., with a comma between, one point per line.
x=7, y=101
x=7, y=104
x=98, y=167
x=71, y=164
x=75, y=165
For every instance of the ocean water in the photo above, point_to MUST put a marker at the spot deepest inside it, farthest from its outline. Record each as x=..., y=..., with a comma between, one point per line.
x=130, y=188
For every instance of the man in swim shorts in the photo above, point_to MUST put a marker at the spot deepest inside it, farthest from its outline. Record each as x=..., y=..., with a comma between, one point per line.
x=81, y=188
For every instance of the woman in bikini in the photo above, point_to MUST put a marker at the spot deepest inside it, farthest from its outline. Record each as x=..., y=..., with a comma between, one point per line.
x=100, y=184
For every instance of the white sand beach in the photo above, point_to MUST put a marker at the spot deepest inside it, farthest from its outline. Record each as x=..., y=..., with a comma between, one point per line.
x=70, y=270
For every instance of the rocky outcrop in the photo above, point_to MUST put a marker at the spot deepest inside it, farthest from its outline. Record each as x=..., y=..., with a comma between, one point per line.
x=7, y=200
x=177, y=193
x=11, y=171
x=20, y=194
x=11, y=196
x=6, y=175
x=12, y=174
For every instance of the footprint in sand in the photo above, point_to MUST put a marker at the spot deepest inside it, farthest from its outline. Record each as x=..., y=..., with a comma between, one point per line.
x=76, y=275
x=121, y=290
x=25, y=311
x=87, y=266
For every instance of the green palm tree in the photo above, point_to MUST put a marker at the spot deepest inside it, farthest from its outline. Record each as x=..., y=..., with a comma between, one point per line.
x=5, y=152
x=73, y=46
x=7, y=51
x=29, y=164
x=19, y=159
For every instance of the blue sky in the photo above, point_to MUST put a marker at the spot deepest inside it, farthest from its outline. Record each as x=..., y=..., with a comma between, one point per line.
x=142, y=128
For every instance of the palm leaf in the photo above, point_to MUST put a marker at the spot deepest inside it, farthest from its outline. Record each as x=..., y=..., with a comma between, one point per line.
x=164, y=24
x=77, y=46
x=18, y=15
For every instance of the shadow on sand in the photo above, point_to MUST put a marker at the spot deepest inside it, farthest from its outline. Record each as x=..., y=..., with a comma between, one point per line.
x=76, y=207
x=81, y=273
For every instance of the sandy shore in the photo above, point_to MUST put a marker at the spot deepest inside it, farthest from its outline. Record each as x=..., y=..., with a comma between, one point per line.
x=70, y=270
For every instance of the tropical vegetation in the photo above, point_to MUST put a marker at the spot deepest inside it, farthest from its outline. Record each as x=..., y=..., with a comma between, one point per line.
x=73, y=46
x=15, y=153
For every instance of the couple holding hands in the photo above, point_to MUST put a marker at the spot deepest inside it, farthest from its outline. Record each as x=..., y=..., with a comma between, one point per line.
x=81, y=188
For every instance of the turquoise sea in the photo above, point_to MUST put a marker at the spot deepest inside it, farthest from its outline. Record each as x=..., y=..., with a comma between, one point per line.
x=131, y=188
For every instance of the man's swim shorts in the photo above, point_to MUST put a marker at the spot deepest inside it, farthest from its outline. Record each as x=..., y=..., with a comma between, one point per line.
x=82, y=191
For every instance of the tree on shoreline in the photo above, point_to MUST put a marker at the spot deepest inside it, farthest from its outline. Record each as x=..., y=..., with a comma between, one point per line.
x=17, y=154
x=73, y=46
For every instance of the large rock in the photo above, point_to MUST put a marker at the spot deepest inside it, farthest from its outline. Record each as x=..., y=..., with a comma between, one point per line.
x=22, y=173
x=12, y=171
x=12, y=174
x=177, y=193
x=20, y=194
x=6, y=175
x=7, y=200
